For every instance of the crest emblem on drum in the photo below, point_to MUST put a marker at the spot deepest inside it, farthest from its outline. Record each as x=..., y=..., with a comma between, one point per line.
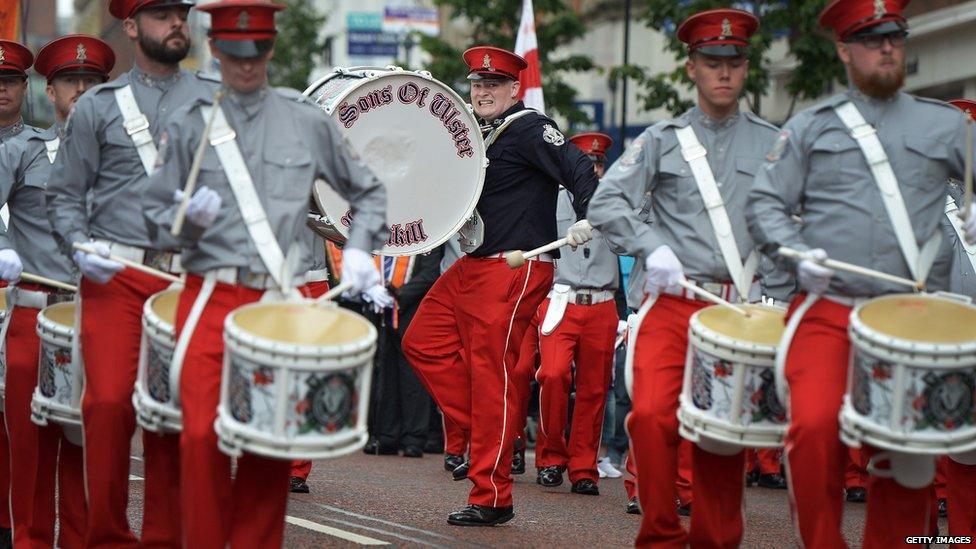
x=81, y=54
x=485, y=63
x=726, y=28
x=948, y=399
x=701, y=383
x=331, y=400
x=552, y=135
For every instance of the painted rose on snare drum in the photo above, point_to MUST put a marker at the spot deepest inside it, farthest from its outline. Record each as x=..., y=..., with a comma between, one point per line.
x=55, y=379
x=713, y=382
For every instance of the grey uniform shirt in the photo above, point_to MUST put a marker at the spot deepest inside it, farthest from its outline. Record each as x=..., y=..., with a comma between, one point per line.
x=592, y=265
x=98, y=161
x=10, y=132
x=652, y=181
x=286, y=143
x=24, y=172
x=817, y=167
x=962, y=277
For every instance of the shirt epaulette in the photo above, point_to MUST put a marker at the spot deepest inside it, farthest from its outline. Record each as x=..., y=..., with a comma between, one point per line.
x=294, y=95
x=829, y=103
x=760, y=121
x=210, y=76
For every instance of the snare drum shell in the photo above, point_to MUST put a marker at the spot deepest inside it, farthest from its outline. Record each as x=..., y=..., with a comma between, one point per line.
x=156, y=403
x=56, y=398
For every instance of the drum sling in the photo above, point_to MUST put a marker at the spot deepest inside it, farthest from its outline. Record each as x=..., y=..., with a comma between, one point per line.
x=951, y=210
x=137, y=126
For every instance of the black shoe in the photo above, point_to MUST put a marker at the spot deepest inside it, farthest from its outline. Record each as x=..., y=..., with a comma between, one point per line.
x=943, y=508
x=374, y=448
x=518, y=458
x=857, y=495
x=684, y=510
x=452, y=461
x=586, y=487
x=413, y=452
x=6, y=538
x=633, y=507
x=461, y=472
x=772, y=481
x=434, y=447
x=480, y=515
x=752, y=477
x=550, y=476
x=298, y=485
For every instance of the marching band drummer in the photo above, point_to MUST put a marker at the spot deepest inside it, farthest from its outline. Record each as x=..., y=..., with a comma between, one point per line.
x=712, y=151
x=72, y=65
x=464, y=340
x=819, y=164
x=266, y=147
x=93, y=196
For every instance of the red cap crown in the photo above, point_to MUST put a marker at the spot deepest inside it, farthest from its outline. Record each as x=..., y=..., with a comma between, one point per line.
x=592, y=143
x=75, y=53
x=124, y=9
x=967, y=106
x=489, y=62
x=845, y=17
x=15, y=57
x=721, y=27
x=242, y=19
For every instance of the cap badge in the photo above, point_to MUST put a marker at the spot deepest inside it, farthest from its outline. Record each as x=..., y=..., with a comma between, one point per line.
x=2, y=54
x=596, y=145
x=81, y=54
x=486, y=62
x=243, y=20
x=726, y=28
x=879, y=8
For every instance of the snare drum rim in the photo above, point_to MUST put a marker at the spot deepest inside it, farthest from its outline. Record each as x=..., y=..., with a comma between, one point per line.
x=53, y=332
x=904, y=345
x=156, y=328
x=697, y=330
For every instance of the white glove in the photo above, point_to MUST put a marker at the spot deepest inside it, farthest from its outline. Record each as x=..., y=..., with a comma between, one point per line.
x=97, y=266
x=10, y=265
x=359, y=270
x=621, y=327
x=379, y=297
x=814, y=277
x=969, y=227
x=203, y=207
x=578, y=233
x=663, y=270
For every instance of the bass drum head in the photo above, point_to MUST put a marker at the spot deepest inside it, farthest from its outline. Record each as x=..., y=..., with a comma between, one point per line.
x=420, y=140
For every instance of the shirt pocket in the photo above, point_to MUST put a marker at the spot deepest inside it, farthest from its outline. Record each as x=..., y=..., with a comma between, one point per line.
x=288, y=173
x=677, y=181
x=836, y=161
x=926, y=161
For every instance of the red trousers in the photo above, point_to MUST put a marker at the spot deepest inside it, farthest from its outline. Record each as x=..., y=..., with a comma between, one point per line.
x=463, y=344
x=659, y=364
x=525, y=368
x=301, y=469
x=455, y=440
x=39, y=455
x=584, y=338
x=961, y=498
x=816, y=370
x=683, y=483
x=856, y=470
x=766, y=459
x=249, y=510
x=4, y=473
x=111, y=328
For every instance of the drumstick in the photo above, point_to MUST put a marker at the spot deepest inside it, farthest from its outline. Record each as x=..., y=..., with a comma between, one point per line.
x=968, y=177
x=851, y=268
x=37, y=279
x=131, y=264
x=191, y=180
x=701, y=292
x=517, y=258
x=334, y=292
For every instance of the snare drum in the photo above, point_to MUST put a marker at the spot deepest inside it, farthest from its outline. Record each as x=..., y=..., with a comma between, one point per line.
x=57, y=397
x=156, y=397
x=729, y=400
x=420, y=140
x=295, y=382
x=912, y=377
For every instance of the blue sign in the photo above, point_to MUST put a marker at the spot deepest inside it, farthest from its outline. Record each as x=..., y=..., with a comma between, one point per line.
x=372, y=43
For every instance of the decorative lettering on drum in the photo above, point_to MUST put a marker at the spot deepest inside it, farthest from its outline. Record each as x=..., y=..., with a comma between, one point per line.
x=445, y=110
x=349, y=113
x=410, y=92
x=401, y=234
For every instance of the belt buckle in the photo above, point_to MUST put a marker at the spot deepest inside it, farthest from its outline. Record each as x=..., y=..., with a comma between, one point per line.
x=159, y=260
x=584, y=299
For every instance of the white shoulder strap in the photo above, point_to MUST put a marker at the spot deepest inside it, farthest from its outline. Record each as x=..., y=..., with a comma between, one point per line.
x=951, y=210
x=224, y=141
x=867, y=138
x=52, y=147
x=494, y=134
x=137, y=126
x=696, y=157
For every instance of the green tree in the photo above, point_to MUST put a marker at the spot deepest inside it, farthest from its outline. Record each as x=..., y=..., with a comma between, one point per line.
x=795, y=20
x=496, y=23
x=297, y=44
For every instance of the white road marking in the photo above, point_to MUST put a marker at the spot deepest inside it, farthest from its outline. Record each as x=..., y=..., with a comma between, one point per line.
x=386, y=522
x=336, y=532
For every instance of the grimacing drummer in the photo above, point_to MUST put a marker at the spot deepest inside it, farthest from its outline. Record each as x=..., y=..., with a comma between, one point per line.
x=287, y=143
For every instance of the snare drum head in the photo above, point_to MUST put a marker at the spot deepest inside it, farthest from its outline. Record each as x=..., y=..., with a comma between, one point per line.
x=923, y=318
x=420, y=140
x=302, y=324
x=764, y=326
x=3, y=300
x=60, y=313
x=164, y=305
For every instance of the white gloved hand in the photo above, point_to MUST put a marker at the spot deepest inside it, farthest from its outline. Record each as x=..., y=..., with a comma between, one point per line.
x=578, y=233
x=663, y=270
x=359, y=270
x=10, y=265
x=621, y=327
x=203, y=207
x=814, y=277
x=379, y=297
x=969, y=227
x=97, y=266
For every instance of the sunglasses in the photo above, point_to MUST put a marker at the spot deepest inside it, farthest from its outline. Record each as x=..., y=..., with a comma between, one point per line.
x=897, y=39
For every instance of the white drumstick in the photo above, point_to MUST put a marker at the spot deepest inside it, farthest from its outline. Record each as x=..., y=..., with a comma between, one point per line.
x=130, y=264
x=334, y=292
x=517, y=258
x=191, y=180
x=37, y=279
x=851, y=268
x=701, y=292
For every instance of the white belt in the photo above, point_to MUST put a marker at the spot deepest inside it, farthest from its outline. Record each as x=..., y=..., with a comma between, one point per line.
x=585, y=296
x=725, y=290
x=241, y=276
x=32, y=299
x=319, y=275
x=157, y=259
x=541, y=257
x=846, y=300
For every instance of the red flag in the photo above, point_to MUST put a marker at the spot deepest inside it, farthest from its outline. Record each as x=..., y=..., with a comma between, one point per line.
x=9, y=16
x=526, y=46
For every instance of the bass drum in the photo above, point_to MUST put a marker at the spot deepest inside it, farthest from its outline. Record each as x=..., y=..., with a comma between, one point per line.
x=420, y=140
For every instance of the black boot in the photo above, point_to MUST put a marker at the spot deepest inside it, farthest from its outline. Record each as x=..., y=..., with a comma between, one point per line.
x=452, y=461
x=461, y=472
x=550, y=476
x=518, y=457
x=772, y=481
x=633, y=506
x=479, y=515
x=585, y=486
x=857, y=495
x=297, y=485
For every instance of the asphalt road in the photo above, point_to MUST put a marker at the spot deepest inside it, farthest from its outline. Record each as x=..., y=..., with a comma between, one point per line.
x=379, y=500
